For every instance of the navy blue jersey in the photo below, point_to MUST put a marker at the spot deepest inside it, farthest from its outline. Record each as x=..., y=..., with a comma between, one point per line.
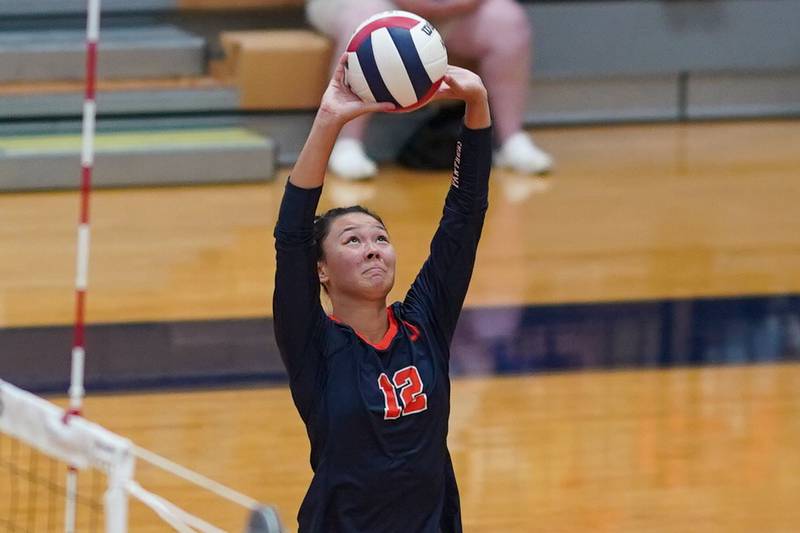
x=377, y=414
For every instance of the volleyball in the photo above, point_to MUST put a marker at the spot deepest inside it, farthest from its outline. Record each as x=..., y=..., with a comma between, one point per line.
x=398, y=57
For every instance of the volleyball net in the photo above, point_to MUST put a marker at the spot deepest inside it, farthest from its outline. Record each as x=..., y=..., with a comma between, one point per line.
x=38, y=440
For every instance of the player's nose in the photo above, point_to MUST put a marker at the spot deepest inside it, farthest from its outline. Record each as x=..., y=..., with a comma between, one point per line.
x=372, y=251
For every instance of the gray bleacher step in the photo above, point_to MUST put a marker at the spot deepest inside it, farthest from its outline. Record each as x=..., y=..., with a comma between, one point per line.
x=141, y=158
x=73, y=7
x=199, y=99
x=134, y=52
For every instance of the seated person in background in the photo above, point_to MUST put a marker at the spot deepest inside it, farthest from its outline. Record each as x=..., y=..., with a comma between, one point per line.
x=494, y=33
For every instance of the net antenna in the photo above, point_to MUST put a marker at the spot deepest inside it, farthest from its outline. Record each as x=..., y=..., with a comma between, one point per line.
x=76, y=389
x=65, y=435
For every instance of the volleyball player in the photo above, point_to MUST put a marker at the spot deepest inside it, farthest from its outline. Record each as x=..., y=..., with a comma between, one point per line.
x=371, y=382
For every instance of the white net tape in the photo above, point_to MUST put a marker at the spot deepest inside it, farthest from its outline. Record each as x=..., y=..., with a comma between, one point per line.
x=82, y=444
x=85, y=445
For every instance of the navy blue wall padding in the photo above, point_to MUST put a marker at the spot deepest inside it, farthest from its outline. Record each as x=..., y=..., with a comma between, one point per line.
x=371, y=73
x=411, y=60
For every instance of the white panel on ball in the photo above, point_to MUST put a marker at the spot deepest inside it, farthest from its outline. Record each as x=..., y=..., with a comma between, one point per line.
x=392, y=69
x=354, y=77
x=431, y=52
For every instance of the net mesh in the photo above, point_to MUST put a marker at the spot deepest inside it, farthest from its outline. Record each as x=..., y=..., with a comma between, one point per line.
x=33, y=488
x=36, y=447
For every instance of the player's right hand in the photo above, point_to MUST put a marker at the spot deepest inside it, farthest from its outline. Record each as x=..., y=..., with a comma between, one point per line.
x=340, y=104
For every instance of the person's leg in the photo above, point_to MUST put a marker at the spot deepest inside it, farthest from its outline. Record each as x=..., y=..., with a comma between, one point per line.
x=338, y=20
x=498, y=36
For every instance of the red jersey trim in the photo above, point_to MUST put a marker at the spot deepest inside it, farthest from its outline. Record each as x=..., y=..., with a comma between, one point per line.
x=414, y=331
x=390, y=334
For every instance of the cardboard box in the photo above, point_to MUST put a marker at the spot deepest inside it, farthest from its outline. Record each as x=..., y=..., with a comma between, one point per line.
x=277, y=69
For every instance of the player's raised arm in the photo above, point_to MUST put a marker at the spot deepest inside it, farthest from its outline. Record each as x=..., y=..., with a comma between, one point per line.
x=338, y=106
x=440, y=288
x=297, y=310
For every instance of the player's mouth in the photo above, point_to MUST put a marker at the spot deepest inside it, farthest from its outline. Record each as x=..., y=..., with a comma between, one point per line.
x=374, y=270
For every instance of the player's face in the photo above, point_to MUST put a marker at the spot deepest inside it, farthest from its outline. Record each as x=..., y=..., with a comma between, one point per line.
x=359, y=258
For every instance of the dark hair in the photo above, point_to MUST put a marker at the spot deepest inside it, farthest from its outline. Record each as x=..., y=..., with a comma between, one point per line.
x=322, y=223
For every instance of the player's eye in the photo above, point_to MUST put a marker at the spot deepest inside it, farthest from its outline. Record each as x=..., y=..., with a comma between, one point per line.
x=352, y=239
x=383, y=238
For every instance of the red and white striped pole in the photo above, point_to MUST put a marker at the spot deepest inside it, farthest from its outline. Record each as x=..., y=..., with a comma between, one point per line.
x=76, y=390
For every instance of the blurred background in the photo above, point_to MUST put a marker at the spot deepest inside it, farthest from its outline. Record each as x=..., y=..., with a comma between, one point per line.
x=627, y=359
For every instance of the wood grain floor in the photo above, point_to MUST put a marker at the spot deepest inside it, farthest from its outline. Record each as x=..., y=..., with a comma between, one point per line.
x=631, y=212
x=711, y=450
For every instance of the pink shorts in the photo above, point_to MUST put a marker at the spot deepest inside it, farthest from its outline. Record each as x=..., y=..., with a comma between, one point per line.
x=329, y=16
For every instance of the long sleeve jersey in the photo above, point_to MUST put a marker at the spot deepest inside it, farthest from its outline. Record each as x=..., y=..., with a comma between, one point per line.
x=377, y=414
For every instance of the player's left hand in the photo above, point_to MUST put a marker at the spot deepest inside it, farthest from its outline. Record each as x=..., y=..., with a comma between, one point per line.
x=461, y=84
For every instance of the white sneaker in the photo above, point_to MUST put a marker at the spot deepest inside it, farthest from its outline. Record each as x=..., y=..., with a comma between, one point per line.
x=520, y=154
x=350, y=162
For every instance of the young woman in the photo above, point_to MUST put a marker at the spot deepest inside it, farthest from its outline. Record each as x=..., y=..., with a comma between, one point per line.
x=495, y=34
x=369, y=381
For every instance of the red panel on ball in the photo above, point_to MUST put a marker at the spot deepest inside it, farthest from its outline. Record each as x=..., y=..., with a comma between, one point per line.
x=363, y=33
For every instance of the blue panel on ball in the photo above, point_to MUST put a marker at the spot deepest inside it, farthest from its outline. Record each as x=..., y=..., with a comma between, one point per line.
x=414, y=67
x=366, y=57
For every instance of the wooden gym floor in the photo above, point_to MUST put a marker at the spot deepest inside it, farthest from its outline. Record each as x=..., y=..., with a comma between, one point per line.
x=631, y=213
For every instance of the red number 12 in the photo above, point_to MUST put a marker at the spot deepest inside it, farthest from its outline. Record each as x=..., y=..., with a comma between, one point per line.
x=408, y=382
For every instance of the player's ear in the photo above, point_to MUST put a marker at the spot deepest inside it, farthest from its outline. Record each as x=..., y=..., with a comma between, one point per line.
x=322, y=272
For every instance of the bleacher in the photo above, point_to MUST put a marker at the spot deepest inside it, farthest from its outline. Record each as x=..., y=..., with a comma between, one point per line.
x=162, y=119
x=200, y=65
x=77, y=7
